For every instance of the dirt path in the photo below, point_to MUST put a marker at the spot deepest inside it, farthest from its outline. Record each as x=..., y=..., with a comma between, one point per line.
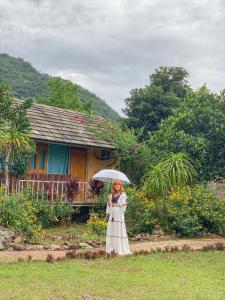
x=11, y=256
x=195, y=244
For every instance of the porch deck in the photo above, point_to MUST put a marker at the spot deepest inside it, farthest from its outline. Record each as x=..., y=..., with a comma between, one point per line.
x=51, y=186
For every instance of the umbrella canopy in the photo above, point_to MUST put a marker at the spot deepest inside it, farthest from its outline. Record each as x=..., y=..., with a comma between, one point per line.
x=109, y=175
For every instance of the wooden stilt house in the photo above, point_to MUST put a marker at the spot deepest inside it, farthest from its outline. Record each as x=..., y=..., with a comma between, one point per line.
x=65, y=148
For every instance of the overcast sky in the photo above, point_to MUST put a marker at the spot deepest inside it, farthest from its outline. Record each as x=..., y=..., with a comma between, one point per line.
x=111, y=46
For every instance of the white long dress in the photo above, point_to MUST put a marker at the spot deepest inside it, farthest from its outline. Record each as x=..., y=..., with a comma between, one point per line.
x=116, y=236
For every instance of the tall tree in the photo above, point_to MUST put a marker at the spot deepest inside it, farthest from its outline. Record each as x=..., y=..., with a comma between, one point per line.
x=146, y=107
x=171, y=79
x=197, y=127
x=64, y=94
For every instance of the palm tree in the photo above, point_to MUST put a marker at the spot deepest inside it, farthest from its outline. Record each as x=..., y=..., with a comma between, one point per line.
x=12, y=140
x=174, y=171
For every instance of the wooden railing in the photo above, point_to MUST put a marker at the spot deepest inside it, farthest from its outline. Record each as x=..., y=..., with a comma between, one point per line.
x=52, y=189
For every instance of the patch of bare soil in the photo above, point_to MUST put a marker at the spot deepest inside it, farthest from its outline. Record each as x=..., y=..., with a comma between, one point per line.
x=195, y=244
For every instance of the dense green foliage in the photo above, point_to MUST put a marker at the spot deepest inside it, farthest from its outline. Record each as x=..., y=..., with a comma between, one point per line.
x=50, y=214
x=174, y=170
x=15, y=143
x=146, y=107
x=26, y=82
x=64, y=94
x=190, y=212
x=171, y=79
x=24, y=213
x=14, y=114
x=97, y=223
x=197, y=128
x=171, y=117
x=17, y=212
x=133, y=157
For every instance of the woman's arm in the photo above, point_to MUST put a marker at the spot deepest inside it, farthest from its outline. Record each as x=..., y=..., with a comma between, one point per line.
x=122, y=201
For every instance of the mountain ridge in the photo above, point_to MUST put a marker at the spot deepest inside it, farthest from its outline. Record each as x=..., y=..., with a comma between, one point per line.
x=27, y=82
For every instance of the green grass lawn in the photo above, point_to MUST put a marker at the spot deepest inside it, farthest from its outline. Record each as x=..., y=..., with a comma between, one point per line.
x=192, y=275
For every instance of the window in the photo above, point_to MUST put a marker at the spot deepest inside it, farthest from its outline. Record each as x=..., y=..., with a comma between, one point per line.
x=38, y=162
x=33, y=161
x=58, y=159
x=105, y=154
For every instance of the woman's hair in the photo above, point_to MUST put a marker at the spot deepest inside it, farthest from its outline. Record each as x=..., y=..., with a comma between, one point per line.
x=117, y=182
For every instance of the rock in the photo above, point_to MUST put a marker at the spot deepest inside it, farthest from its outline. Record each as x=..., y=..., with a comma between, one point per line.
x=35, y=247
x=6, y=237
x=18, y=247
x=6, y=233
x=8, y=244
x=18, y=240
x=2, y=246
x=152, y=238
x=85, y=245
x=94, y=245
x=46, y=247
x=55, y=247
x=73, y=246
x=138, y=237
x=158, y=231
x=67, y=243
x=62, y=247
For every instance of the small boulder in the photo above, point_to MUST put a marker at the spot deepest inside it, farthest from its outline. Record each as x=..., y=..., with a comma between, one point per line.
x=67, y=243
x=6, y=237
x=93, y=244
x=18, y=247
x=2, y=246
x=18, y=240
x=55, y=247
x=73, y=246
x=85, y=245
x=46, y=247
x=6, y=233
x=35, y=247
x=158, y=231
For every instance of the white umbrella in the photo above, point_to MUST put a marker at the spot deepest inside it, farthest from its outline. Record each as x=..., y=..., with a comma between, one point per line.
x=109, y=175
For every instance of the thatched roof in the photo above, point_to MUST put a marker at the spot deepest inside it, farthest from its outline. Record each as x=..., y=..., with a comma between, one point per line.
x=52, y=124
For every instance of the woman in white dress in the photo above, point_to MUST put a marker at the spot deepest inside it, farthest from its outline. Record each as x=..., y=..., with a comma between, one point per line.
x=116, y=236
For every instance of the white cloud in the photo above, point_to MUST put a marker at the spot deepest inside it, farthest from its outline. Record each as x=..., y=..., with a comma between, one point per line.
x=111, y=47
